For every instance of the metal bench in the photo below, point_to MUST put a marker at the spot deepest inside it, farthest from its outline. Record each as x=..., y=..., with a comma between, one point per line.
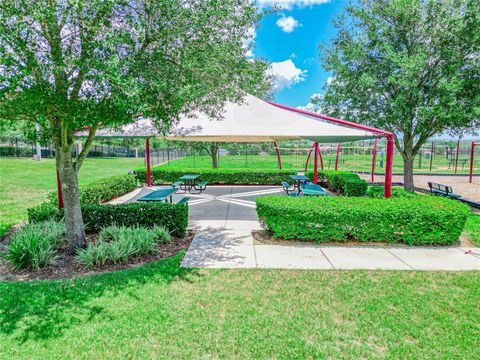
x=201, y=186
x=287, y=188
x=183, y=201
x=443, y=190
x=178, y=183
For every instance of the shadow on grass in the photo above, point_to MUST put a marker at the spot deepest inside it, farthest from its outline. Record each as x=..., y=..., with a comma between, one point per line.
x=43, y=309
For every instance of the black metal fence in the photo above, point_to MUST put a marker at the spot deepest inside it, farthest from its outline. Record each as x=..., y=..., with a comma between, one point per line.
x=23, y=148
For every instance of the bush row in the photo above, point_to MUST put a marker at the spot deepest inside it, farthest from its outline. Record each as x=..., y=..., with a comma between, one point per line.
x=425, y=220
x=338, y=181
x=96, y=216
x=102, y=190
x=377, y=192
x=161, y=175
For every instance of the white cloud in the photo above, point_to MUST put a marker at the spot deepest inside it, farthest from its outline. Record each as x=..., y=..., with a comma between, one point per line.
x=288, y=23
x=310, y=105
x=286, y=74
x=289, y=4
x=330, y=80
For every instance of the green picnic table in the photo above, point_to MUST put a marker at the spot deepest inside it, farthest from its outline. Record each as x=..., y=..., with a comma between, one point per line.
x=188, y=182
x=159, y=195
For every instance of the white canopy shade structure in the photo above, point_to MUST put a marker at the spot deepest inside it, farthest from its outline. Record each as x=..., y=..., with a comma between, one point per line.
x=256, y=120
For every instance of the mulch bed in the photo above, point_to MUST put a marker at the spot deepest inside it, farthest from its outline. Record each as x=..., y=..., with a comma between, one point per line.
x=68, y=268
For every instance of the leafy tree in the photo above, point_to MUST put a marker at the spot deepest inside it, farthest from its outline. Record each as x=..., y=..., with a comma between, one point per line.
x=70, y=64
x=408, y=66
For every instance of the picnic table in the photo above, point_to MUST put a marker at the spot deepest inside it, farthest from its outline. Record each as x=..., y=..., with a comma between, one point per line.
x=188, y=182
x=160, y=195
x=313, y=190
x=297, y=181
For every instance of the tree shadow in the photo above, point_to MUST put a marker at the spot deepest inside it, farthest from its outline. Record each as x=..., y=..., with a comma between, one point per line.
x=43, y=309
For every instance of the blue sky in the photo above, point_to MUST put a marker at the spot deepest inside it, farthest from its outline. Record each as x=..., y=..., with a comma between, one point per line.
x=289, y=39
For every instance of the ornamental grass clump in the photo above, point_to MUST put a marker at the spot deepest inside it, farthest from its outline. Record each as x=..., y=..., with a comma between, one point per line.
x=35, y=246
x=117, y=244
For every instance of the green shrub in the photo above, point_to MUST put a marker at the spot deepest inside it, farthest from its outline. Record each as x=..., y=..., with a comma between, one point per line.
x=377, y=192
x=173, y=217
x=355, y=187
x=102, y=190
x=35, y=245
x=117, y=244
x=167, y=175
x=43, y=212
x=424, y=220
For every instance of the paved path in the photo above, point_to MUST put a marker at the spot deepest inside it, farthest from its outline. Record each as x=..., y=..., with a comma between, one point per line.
x=225, y=216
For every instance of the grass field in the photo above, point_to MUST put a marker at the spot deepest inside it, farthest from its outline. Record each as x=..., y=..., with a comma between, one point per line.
x=25, y=183
x=162, y=311
x=472, y=227
x=297, y=162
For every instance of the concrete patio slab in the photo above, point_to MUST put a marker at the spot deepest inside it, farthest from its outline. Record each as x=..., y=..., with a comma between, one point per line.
x=291, y=257
x=449, y=259
x=369, y=258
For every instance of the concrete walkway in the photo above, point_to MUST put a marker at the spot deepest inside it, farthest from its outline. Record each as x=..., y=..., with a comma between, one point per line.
x=224, y=217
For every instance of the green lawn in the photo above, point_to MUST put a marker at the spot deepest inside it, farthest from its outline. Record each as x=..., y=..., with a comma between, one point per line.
x=162, y=311
x=25, y=183
x=472, y=227
x=297, y=162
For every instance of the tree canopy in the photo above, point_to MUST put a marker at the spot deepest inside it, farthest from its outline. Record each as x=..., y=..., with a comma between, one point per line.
x=408, y=66
x=69, y=64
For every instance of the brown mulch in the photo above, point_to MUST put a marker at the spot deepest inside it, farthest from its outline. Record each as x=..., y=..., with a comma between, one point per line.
x=68, y=268
x=264, y=237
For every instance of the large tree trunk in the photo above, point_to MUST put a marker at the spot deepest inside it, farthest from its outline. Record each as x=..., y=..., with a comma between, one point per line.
x=71, y=199
x=408, y=159
x=214, y=154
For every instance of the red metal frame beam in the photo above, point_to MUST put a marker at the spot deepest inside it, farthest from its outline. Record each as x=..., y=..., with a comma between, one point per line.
x=472, y=157
x=374, y=159
x=308, y=157
x=456, y=156
x=336, y=156
x=320, y=156
x=278, y=156
x=147, y=158
x=315, y=164
x=388, y=168
x=432, y=150
x=59, y=191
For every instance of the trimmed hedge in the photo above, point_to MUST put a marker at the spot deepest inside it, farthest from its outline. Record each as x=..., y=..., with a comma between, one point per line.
x=341, y=182
x=167, y=175
x=335, y=180
x=96, y=216
x=377, y=191
x=102, y=190
x=424, y=220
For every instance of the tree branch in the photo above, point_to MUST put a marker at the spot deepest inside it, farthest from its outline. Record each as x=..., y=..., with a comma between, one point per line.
x=86, y=147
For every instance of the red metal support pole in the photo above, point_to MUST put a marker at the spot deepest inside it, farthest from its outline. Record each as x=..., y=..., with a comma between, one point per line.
x=336, y=157
x=374, y=159
x=308, y=157
x=432, y=150
x=147, y=157
x=315, y=164
x=472, y=156
x=456, y=156
x=320, y=156
x=389, y=167
x=278, y=156
x=59, y=191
